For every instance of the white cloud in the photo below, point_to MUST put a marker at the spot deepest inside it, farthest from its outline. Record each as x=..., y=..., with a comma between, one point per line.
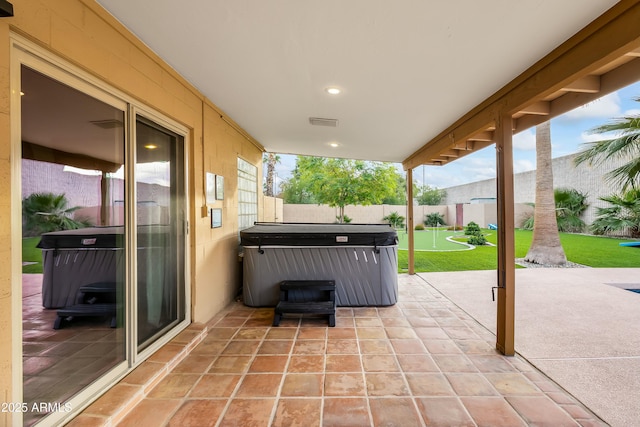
x=525, y=141
x=591, y=137
x=602, y=108
x=632, y=112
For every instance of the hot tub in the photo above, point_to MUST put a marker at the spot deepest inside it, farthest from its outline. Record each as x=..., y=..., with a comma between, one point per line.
x=74, y=258
x=361, y=259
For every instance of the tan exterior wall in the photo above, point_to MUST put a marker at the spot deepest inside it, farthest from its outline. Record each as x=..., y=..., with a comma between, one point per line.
x=83, y=34
x=271, y=209
x=481, y=213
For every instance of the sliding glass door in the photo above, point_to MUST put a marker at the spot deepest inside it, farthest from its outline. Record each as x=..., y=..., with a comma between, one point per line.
x=104, y=229
x=160, y=229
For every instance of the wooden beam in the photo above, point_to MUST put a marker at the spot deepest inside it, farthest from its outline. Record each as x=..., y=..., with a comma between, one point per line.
x=615, y=79
x=586, y=84
x=410, y=231
x=540, y=108
x=610, y=36
x=486, y=136
x=50, y=155
x=505, y=327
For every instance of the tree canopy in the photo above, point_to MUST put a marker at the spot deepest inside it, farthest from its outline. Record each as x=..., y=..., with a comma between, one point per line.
x=624, y=145
x=340, y=182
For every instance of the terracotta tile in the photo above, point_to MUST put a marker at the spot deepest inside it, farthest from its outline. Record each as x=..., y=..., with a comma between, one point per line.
x=422, y=322
x=266, y=322
x=194, y=364
x=441, y=346
x=113, y=400
x=431, y=333
x=275, y=347
x=577, y=411
x=368, y=322
x=250, y=333
x=386, y=385
x=390, y=311
x=492, y=411
x=154, y=412
x=281, y=333
x=215, y=385
x=475, y=347
x=312, y=334
x=454, y=363
x=365, y=333
x=231, y=322
x=365, y=312
x=345, y=322
x=302, y=385
x=342, y=346
x=166, y=353
x=83, y=420
x=395, y=322
x=417, y=363
x=401, y=333
x=259, y=385
x=298, y=413
x=309, y=347
x=512, y=384
x=561, y=398
x=443, y=412
x=241, y=347
x=144, y=373
x=540, y=411
x=342, y=333
x=394, y=412
x=230, y=365
x=344, y=385
x=408, y=346
x=345, y=412
x=198, y=413
x=210, y=348
x=248, y=413
x=174, y=386
x=344, y=311
x=343, y=363
x=429, y=384
x=417, y=312
x=262, y=364
x=491, y=363
x=306, y=364
x=379, y=363
x=375, y=347
x=471, y=384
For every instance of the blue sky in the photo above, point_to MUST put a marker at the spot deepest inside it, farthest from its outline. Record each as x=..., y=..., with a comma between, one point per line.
x=568, y=133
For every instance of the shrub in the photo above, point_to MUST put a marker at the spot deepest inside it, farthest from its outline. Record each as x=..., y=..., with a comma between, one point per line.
x=419, y=227
x=455, y=228
x=395, y=220
x=477, y=240
x=434, y=219
x=472, y=229
x=45, y=212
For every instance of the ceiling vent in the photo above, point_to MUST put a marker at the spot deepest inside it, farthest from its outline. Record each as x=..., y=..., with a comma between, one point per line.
x=107, y=124
x=318, y=121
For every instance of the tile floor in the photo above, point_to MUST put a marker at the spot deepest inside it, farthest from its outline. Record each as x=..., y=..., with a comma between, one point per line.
x=59, y=363
x=422, y=362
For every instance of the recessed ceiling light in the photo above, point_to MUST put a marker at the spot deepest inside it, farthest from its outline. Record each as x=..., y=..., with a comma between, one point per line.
x=333, y=144
x=151, y=146
x=333, y=90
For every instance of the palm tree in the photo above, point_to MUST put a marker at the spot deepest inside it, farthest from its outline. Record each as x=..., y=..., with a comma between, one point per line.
x=624, y=146
x=570, y=205
x=271, y=160
x=45, y=212
x=545, y=246
x=622, y=215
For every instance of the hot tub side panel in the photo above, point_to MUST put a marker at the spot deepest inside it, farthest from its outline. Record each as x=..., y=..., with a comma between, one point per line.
x=362, y=276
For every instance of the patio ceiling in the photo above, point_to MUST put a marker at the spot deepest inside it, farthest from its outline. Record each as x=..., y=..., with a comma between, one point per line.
x=408, y=70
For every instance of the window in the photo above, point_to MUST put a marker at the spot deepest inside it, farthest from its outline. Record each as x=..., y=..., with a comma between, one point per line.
x=247, y=194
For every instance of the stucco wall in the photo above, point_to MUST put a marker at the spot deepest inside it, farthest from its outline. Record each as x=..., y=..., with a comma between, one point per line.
x=84, y=35
x=584, y=178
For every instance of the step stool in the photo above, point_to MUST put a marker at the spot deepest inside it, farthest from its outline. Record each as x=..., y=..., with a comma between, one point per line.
x=95, y=299
x=306, y=297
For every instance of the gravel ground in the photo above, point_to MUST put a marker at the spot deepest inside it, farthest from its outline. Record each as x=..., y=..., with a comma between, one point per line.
x=569, y=264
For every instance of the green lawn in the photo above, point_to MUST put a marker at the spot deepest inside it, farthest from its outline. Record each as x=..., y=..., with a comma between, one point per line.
x=587, y=250
x=31, y=254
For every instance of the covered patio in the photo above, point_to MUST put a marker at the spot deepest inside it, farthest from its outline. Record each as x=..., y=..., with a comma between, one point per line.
x=428, y=360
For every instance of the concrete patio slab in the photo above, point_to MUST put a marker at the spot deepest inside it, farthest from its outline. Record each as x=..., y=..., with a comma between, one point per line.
x=578, y=325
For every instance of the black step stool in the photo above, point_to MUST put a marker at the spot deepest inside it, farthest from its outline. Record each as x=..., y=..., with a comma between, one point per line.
x=93, y=300
x=306, y=297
